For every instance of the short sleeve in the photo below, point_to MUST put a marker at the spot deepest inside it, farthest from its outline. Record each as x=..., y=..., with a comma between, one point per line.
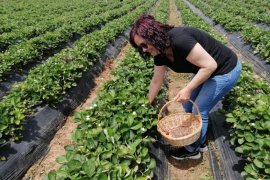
x=159, y=60
x=183, y=43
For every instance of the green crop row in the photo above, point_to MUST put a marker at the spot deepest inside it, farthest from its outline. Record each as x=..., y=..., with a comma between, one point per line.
x=253, y=11
x=49, y=82
x=161, y=13
x=36, y=48
x=247, y=110
x=112, y=139
x=16, y=15
x=43, y=26
x=189, y=18
x=258, y=37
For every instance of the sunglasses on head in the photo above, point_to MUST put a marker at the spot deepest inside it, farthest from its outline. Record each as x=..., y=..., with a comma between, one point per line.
x=143, y=46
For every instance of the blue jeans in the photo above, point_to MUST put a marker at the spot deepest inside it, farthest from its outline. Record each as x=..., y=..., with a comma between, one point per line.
x=206, y=97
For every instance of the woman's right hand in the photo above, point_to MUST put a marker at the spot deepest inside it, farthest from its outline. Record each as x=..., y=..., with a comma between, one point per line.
x=156, y=82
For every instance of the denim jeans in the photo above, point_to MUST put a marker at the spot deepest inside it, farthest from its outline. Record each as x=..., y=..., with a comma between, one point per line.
x=206, y=97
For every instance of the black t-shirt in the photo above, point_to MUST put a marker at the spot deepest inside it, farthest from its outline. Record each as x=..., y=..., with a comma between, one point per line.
x=183, y=39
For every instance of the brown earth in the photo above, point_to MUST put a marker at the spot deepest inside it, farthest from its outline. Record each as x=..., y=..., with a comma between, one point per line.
x=187, y=169
x=63, y=136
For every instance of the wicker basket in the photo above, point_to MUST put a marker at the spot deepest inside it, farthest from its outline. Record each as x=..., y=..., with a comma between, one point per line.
x=173, y=121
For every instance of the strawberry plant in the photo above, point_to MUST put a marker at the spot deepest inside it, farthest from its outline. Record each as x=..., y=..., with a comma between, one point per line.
x=111, y=141
x=38, y=47
x=59, y=74
x=247, y=111
x=257, y=36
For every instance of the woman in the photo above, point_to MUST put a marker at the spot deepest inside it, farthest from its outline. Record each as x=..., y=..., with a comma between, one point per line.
x=188, y=50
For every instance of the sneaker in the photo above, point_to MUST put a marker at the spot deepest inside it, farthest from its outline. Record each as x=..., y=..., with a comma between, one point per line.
x=203, y=148
x=182, y=153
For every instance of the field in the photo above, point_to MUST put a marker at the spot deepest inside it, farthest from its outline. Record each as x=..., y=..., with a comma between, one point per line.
x=73, y=101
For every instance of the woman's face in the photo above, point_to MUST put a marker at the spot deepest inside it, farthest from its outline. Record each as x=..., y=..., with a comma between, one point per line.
x=145, y=46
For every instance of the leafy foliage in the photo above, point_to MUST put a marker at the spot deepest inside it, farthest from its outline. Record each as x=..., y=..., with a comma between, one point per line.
x=111, y=141
x=247, y=110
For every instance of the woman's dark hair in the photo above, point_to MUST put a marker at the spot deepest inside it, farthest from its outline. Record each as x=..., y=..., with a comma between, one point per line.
x=151, y=30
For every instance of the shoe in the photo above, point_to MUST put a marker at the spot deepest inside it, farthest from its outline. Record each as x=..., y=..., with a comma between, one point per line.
x=182, y=153
x=203, y=148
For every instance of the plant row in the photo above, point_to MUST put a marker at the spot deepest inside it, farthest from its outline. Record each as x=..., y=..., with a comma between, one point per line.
x=161, y=13
x=36, y=48
x=189, y=18
x=253, y=11
x=247, y=110
x=53, y=23
x=112, y=139
x=15, y=15
x=49, y=82
x=258, y=37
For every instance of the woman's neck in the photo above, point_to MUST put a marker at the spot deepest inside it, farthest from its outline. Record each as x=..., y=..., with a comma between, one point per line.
x=169, y=54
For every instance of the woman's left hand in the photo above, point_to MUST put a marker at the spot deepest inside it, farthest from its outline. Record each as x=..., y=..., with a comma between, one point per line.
x=183, y=95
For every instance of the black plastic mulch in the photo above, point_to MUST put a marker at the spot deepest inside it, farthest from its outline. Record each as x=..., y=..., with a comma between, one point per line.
x=41, y=126
x=225, y=163
x=260, y=67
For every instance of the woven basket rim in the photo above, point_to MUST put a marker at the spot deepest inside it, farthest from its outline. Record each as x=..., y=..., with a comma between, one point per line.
x=197, y=130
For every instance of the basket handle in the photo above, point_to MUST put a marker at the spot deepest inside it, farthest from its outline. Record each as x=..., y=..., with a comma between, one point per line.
x=197, y=108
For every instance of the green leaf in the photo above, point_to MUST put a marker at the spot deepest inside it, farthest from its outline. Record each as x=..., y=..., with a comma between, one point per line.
x=52, y=175
x=69, y=148
x=61, y=159
x=115, y=159
x=144, y=152
x=241, y=140
x=249, y=137
x=239, y=150
x=61, y=174
x=78, y=134
x=230, y=118
x=89, y=167
x=130, y=120
x=266, y=161
x=136, y=127
x=267, y=142
x=102, y=176
x=74, y=165
x=133, y=146
x=107, y=155
x=152, y=164
x=258, y=163
x=249, y=169
x=267, y=170
x=141, y=178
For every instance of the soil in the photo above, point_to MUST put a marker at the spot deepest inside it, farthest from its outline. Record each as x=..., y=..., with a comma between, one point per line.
x=63, y=136
x=186, y=169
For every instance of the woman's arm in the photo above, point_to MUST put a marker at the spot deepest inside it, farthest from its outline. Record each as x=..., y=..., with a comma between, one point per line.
x=156, y=82
x=199, y=57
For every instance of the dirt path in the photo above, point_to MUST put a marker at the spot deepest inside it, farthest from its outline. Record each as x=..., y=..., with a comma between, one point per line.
x=63, y=136
x=187, y=169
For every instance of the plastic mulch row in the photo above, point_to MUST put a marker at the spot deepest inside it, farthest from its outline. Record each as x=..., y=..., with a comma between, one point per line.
x=41, y=126
x=260, y=67
x=16, y=75
x=225, y=163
